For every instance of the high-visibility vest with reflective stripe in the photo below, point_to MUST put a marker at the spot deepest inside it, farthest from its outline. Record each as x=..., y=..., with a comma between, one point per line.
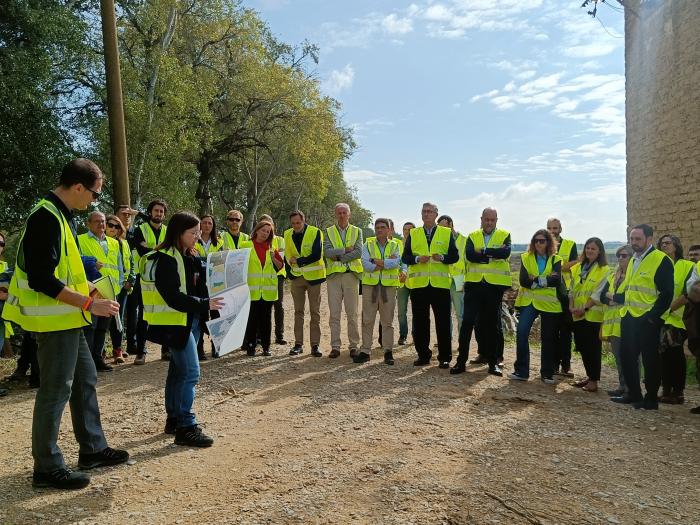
x=385, y=277
x=582, y=291
x=433, y=273
x=37, y=312
x=262, y=282
x=230, y=243
x=314, y=270
x=564, y=252
x=460, y=266
x=401, y=245
x=640, y=289
x=155, y=310
x=126, y=259
x=110, y=262
x=497, y=271
x=212, y=248
x=3, y=266
x=150, y=238
x=352, y=234
x=278, y=244
x=543, y=299
x=681, y=269
x=611, y=313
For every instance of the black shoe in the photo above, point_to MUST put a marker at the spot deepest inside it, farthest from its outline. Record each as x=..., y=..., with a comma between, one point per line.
x=695, y=410
x=421, y=361
x=298, y=349
x=33, y=382
x=280, y=341
x=362, y=357
x=60, y=479
x=266, y=352
x=315, y=351
x=18, y=375
x=616, y=393
x=101, y=366
x=251, y=351
x=3, y=392
x=402, y=341
x=106, y=458
x=646, y=404
x=625, y=400
x=192, y=437
x=444, y=365
x=202, y=356
x=479, y=360
x=170, y=425
x=388, y=358
x=459, y=368
x=495, y=370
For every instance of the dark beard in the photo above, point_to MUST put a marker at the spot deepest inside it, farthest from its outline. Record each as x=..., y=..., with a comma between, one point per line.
x=156, y=220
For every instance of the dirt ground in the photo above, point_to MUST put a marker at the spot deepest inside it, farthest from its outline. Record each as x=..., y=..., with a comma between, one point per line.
x=314, y=440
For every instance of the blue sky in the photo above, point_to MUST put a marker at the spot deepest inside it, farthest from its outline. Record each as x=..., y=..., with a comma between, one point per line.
x=517, y=104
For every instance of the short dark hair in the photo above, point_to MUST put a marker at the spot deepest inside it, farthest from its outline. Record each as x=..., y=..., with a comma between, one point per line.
x=299, y=213
x=158, y=202
x=409, y=223
x=382, y=220
x=80, y=171
x=694, y=247
x=445, y=218
x=178, y=224
x=648, y=230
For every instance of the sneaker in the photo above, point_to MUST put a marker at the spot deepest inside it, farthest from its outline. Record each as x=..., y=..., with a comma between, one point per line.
x=388, y=358
x=118, y=357
x=170, y=425
x=315, y=351
x=548, y=380
x=60, y=479
x=266, y=352
x=192, y=437
x=140, y=359
x=362, y=357
x=516, y=377
x=402, y=341
x=105, y=458
x=298, y=349
x=444, y=365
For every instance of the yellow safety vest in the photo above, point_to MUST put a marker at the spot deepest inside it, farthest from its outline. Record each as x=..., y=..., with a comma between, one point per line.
x=9, y=332
x=433, y=273
x=150, y=239
x=640, y=289
x=385, y=277
x=543, y=299
x=126, y=259
x=497, y=271
x=401, y=245
x=582, y=291
x=351, y=235
x=155, y=310
x=203, y=252
x=314, y=270
x=3, y=266
x=262, y=282
x=230, y=243
x=37, y=312
x=681, y=269
x=278, y=244
x=460, y=266
x=110, y=262
x=611, y=313
x=565, y=253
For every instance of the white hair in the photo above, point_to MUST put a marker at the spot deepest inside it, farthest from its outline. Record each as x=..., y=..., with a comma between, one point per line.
x=343, y=205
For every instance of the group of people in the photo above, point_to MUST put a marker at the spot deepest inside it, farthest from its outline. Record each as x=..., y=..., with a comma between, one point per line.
x=158, y=278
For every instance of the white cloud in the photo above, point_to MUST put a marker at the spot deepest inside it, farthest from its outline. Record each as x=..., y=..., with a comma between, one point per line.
x=339, y=80
x=394, y=24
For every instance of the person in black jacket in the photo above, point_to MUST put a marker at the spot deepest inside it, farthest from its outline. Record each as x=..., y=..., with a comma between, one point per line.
x=174, y=257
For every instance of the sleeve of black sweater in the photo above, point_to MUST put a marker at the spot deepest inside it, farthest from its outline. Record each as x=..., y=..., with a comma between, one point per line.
x=136, y=243
x=664, y=284
x=500, y=252
x=41, y=248
x=574, y=254
x=315, y=252
x=452, y=255
x=604, y=294
x=525, y=281
x=474, y=257
x=168, y=286
x=407, y=257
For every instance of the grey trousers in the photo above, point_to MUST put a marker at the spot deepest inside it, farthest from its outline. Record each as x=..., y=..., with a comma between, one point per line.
x=67, y=375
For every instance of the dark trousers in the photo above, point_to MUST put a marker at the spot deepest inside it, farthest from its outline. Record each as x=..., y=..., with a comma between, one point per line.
x=640, y=336
x=27, y=357
x=562, y=343
x=482, y=304
x=673, y=370
x=500, y=341
x=95, y=336
x=259, y=323
x=589, y=345
x=422, y=300
x=114, y=332
x=136, y=327
x=279, y=309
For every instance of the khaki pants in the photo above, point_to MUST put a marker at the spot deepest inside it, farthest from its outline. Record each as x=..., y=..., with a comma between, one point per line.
x=343, y=289
x=300, y=288
x=373, y=300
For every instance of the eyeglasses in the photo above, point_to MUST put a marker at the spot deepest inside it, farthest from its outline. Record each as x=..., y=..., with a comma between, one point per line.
x=666, y=243
x=233, y=219
x=95, y=194
x=2, y=244
x=622, y=256
x=540, y=241
x=112, y=225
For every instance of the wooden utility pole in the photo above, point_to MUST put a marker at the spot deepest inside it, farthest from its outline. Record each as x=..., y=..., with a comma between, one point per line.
x=115, y=105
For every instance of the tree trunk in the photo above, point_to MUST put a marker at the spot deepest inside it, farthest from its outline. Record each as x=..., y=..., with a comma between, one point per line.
x=203, y=195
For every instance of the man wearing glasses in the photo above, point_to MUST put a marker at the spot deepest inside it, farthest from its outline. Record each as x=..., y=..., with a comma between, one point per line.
x=49, y=294
x=146, y=237
x=234, y=236
x=428, y=252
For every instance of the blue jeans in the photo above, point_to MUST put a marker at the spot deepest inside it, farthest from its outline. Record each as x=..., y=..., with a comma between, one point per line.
x=183, y=376
x=402, y=295
x=527, y=317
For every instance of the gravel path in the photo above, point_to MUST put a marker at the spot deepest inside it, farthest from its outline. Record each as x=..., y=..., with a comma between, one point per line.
x=308, y=440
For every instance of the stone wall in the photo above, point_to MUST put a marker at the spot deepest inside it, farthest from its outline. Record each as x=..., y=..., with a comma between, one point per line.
x=662, y=68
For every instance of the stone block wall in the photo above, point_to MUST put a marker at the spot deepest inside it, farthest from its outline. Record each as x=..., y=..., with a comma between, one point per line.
x=662, y=69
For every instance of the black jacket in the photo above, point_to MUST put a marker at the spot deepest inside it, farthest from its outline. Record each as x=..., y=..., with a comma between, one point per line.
x=195, y=302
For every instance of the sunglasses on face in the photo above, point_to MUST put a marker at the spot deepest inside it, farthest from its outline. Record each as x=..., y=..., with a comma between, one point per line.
x=541, y=241
x=233, y=219
x=2, y=244
x=112, y=225
x=95, y=194
x=622, y=256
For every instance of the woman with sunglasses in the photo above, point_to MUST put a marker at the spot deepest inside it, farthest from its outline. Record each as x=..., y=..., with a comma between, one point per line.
x=209, y=242
x=673, y=333
x=176, y=303
x=540, y=276
x=127, y=278
x=588, y=277
x=611, y=315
